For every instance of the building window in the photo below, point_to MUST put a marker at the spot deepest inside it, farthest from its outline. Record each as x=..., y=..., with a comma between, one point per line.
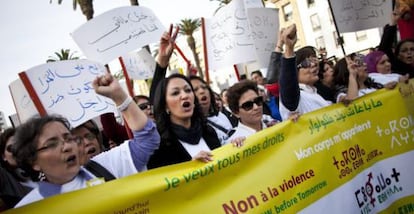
x=311, y=3
x=316, y=24
x=320, y=43
x=287, y=12
x=361, y=35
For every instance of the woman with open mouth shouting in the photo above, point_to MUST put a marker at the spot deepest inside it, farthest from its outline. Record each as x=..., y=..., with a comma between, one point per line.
x=45, y=146
x=185, y=134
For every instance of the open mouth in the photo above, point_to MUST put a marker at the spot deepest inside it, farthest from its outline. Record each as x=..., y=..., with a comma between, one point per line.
x=186, y=104
x=203, y=98
x=71, y=159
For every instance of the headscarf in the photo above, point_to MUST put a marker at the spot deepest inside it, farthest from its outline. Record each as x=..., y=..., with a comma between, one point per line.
x=372, y=60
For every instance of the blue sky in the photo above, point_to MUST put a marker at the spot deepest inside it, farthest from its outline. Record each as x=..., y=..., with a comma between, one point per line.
x=33, y=30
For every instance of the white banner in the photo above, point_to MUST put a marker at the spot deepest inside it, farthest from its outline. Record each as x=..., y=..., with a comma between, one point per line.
x=355, y=15
x=139, y=65
x=24, y=105
x=65, y=88
x=117, y=32
x=228, y=40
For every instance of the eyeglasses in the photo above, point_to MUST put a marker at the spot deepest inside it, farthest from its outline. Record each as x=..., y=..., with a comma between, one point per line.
x=307, y=63
x=9, y=148
x=144, y=106
x=54, y=143
x=248, y=105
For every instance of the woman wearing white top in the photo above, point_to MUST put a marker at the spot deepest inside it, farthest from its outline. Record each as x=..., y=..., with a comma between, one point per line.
x=246, y=104
x=45, y=146
x=298, y=75
x=352, y=81
x=379, y=68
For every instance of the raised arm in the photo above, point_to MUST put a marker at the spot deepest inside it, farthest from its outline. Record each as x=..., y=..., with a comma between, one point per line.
x=108, y=86
x=389, y=35
x=289, y=85
x=166, y=48
x=273, y=69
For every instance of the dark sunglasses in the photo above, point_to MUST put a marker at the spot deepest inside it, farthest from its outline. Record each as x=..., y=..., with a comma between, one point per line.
x=9, y=148
x=307, y=63
x=144, y=106
x=359, y=60
x=248, y=105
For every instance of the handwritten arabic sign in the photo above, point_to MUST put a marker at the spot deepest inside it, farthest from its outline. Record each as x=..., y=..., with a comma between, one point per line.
x=117, y=32
x=264, y=25
x=65, y=88
x=228, y=37
x=24, y=105
x=352, y=15
x=139, y=65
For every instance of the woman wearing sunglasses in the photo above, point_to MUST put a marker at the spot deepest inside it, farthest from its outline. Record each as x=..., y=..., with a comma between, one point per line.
x=298, y=75
x=247, y=105
x=45, y=146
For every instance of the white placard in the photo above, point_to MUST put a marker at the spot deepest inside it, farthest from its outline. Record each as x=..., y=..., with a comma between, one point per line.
x=264, y=25
x=139, y=65
x=24, y=105
x=356, y=15
x=228, y=40
x=65, y=88
x=253, y=4
x=117, y=32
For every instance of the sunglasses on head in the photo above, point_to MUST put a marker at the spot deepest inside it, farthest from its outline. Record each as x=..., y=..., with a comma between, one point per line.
x=144, y=106
x=359, y=60
x=248, y=105
x=307, y=63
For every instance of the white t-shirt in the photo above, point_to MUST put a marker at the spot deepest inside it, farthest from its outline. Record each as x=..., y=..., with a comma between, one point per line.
x=193, y=150
x=309, y=101
x=111, y=160
x=384, y=78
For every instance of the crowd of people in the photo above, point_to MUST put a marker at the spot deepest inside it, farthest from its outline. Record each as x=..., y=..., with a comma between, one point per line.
x=183, y=119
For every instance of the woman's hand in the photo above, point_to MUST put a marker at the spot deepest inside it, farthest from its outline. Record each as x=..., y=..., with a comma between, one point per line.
x=108, y=86
x=167, y=44
x=238, y=141
x=204, y=156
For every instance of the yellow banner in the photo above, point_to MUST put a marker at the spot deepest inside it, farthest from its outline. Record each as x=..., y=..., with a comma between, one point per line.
x=345, y=159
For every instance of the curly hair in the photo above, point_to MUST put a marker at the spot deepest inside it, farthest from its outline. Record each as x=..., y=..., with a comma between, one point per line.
x=26, y=140
x=237, y=90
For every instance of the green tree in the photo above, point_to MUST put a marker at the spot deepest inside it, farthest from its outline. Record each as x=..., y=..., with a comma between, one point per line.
x=64, y=54
x=85, y=5
x=188, y=27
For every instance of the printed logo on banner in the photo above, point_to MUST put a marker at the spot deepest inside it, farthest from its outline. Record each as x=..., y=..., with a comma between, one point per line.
x=377, y=189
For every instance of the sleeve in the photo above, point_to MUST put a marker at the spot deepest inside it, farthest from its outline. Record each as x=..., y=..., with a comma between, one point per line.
x=159, y=75
x=145, y=142
x=387, y=41
x=273, y=69
x=289, y=85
